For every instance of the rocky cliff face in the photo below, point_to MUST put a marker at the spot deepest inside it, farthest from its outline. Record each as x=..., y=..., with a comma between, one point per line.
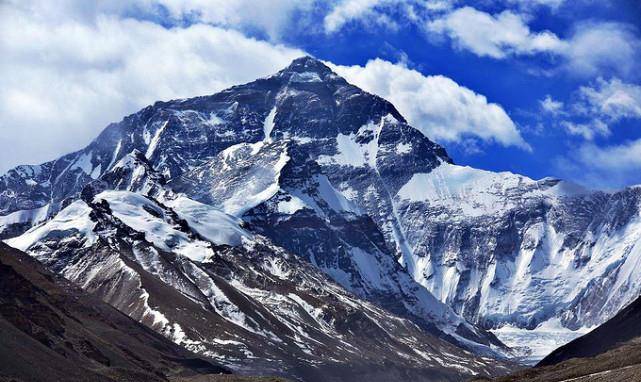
x=334, y=177
x=502, y=248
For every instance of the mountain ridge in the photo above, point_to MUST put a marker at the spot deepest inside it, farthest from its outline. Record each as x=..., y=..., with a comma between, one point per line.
x=53, y=330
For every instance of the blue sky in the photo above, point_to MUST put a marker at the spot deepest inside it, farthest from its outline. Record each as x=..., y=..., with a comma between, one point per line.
x=541, y=87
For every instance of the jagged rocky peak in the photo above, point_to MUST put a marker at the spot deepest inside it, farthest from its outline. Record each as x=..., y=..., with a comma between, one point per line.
x=306, y=103
x=131, y=173
x=310, y=69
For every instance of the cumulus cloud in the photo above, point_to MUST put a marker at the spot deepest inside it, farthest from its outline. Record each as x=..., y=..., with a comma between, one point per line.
x=550, y=105
x=439, y=107
x=589, y=130
x=379, y=12
x=349, y=10
x=623, y=157
x=65, y=78
x=597, y=46
x=529, y=4
x=613, y=99
x=496, y=36
x=598, y=106
x=590, y=49
x=270, y=17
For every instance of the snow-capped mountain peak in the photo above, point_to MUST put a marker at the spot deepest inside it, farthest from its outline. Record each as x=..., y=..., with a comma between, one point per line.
x=305, y=166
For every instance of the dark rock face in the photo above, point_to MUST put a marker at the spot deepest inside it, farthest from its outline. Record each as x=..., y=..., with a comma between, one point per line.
x=51, y=330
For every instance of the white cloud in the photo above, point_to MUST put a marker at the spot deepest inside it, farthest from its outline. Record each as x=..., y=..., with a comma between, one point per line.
x=614, y=99
x=596, y=106
x=528, y=4
x=550, y=105
x=270, y=16
x=64, y=78
x=595, y=47
x=589, y=130
x=378, y=12
x=348, y=10
x=496, y=36
x=439, y=107
x=608, y=167
x=591, y=49
x=617, y=158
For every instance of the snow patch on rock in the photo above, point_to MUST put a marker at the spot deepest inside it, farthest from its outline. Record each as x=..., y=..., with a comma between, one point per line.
x=74, y=220
x=141, y=214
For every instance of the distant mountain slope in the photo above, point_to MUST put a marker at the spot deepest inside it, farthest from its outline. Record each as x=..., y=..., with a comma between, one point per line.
x=622, y=329
x=52, y=331
x=609, y=353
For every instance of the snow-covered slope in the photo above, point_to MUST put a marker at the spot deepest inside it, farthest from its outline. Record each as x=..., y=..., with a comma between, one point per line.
x=192, y=273
x=503, y=249
x=336, y=177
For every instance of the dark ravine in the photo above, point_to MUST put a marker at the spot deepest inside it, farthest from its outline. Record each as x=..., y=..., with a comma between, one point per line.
x=50, y=330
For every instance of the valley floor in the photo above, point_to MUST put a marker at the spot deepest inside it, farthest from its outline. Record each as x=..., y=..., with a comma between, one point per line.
x=535, y=344
x=622, y=364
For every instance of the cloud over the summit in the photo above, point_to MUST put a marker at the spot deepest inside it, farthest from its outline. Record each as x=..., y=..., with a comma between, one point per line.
x=442, y=109
x=64, y=79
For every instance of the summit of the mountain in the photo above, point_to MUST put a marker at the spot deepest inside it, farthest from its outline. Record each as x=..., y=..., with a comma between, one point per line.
x=309, y=64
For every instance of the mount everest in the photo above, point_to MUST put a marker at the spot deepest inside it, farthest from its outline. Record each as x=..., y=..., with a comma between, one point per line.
x=297, y=224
